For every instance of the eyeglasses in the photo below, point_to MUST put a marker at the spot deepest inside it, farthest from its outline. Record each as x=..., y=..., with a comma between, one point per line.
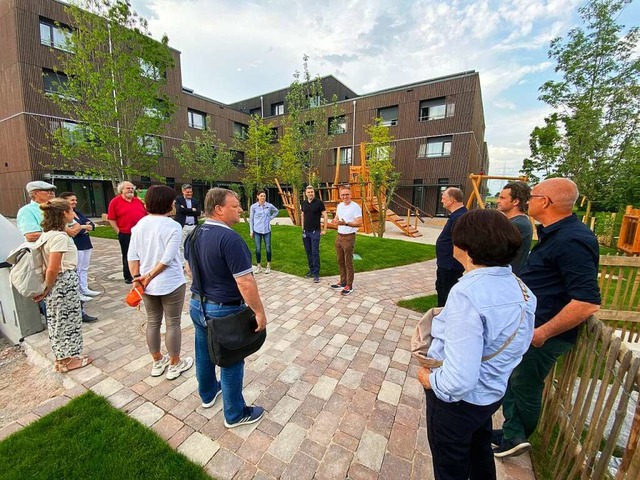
x=345, y=194
x=543, y=196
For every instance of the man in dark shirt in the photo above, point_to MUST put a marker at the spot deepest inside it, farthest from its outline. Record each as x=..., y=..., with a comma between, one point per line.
x=226, y=272
x=449, y=269
x=512, y=201
x=312, y=209
x=562, y=272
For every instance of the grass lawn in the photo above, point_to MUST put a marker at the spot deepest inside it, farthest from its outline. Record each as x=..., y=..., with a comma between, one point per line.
x=420, y=304
x=289, y=255
x=89, y=439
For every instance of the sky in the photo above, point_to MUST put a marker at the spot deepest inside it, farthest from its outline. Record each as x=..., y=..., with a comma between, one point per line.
x=237, y=49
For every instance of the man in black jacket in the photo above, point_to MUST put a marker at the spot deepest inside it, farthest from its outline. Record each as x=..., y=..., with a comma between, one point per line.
x=188, y=210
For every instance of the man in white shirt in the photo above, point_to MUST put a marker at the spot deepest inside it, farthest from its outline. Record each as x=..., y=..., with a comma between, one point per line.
x=348, y=219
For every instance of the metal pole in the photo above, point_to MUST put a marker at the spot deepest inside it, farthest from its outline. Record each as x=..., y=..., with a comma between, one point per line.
x=353, y=133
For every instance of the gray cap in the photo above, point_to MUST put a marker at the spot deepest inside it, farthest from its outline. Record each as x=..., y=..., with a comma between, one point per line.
x=39, y=185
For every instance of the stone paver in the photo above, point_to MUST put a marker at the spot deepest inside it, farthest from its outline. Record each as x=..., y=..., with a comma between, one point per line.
x=335, y=375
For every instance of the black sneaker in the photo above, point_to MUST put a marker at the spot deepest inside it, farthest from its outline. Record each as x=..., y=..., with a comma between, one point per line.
x=496, y=437
x=308, y=274
x=88, y=318
x=316, y=279
x=347, y=290
x=338, y=286
x=253, y=414
x=511, y=448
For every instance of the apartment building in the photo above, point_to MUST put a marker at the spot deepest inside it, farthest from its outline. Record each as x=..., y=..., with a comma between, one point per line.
x=438, y=124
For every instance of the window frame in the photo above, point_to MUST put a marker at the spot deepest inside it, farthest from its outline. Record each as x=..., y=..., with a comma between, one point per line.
x=392, y=122
x=191, y=114
x=339, y=120
x=62, y=30
x=425, y=105
x=443, y=140
x=276, y=109
x=348, y=158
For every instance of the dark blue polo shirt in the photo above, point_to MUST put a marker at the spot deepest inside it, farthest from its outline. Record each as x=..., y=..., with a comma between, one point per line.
x=563, y=266
x=82, y=239
x=444, y=244
x=222, y=255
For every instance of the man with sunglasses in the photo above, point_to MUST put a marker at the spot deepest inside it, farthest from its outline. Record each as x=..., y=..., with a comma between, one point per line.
x=562, y=272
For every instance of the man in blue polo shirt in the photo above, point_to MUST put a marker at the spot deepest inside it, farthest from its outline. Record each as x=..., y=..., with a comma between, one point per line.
x=562, y=272
x=225, y=270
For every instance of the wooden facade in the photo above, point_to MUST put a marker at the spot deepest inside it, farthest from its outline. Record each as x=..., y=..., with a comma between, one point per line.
x=25, y=116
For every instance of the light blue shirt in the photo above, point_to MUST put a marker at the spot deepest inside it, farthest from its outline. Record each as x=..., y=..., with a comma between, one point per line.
x=260, y=217
x=29, y=218
x=482, y=311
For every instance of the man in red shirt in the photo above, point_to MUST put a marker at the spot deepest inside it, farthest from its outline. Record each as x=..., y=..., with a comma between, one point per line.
x=125, y=210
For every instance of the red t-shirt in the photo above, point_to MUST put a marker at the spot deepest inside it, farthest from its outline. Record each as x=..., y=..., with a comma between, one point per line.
x=126, y=214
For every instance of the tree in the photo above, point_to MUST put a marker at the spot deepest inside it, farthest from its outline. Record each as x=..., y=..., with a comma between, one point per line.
x=205, y=157
x=382, y=173
x=593, y=135
x=110, y=80
x=259, y=147
x=306, y=139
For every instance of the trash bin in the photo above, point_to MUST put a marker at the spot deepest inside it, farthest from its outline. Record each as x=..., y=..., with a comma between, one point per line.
x=19, y=316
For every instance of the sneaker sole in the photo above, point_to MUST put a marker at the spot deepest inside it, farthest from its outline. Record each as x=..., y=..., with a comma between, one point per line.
x=177, y=374
x=337, y=288
x=240, y=423
x=514, y=451
x=212, y=402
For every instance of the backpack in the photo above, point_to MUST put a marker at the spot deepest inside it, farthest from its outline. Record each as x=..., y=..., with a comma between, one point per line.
x=28, y=270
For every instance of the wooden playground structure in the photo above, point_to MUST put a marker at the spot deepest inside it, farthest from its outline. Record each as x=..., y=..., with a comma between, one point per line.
x=629, y=239
x=361, y=193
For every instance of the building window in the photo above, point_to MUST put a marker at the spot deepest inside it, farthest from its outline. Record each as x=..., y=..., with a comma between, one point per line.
x=196, y=119
x=274, y=135
x=152, y=144
x=149, y=70
x=256, y=111
x=72, y=132
x=337, y=125
x=435, y=109
x=240, y=130
x=56, y=36
x=345, y=156
x=238, y=158
x=389, y=115
x=157, y=111
x=314, y=100
x=436, y=147
x=277, y=108
x=55, y=83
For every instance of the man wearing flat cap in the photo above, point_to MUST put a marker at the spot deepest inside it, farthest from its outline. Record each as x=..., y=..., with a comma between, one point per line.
x=30, y=216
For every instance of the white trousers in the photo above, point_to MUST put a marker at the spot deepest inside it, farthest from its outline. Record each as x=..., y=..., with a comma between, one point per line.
x=84, y=258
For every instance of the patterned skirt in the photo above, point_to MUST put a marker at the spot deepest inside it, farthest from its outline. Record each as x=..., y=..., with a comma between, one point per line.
x=64, y=316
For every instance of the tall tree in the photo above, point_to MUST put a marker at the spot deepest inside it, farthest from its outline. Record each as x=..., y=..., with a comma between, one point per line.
x=205, y=157
x=382, y=173
x=258, y=143
x=597, y=104
x=111, y=82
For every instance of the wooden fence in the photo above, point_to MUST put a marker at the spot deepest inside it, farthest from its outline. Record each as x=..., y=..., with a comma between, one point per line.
x=591, y=412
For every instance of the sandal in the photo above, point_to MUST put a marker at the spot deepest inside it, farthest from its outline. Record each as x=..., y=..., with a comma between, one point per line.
x=72, y=363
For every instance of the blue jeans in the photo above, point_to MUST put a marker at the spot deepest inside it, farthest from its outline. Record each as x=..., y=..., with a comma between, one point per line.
x=311, y=242
x=257, y=237
x=230, y=377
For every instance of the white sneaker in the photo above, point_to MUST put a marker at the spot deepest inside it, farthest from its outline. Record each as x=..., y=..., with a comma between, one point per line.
x=90, y=293
x=267, y=270
x=182, y=366
x=84, y=298
x=212, y=402
x=257, y=269
x=159, y=366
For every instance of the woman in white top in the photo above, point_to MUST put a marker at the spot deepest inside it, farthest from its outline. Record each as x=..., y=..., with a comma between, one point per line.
x=61, y=297
x=155, y=263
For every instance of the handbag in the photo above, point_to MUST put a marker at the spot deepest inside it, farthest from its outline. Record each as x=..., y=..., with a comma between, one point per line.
x=231, y=338
x=134, y=297
x=422, y=338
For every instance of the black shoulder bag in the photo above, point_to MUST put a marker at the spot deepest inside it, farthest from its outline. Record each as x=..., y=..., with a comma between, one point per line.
x=232, y=338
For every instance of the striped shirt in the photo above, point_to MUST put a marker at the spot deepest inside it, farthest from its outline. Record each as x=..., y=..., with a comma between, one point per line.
x=260, y=217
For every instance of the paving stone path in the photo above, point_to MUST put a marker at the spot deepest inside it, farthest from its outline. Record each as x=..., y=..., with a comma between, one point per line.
x=335, y=377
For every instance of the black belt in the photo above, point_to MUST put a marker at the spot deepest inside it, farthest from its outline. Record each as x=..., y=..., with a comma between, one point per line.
x=235, y=303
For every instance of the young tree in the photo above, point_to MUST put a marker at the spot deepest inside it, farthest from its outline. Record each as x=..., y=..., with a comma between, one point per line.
x=546, y=150
x=597, y=103
x=259, y=147
x=111, y=82
x=205, y=157
x=382, y=173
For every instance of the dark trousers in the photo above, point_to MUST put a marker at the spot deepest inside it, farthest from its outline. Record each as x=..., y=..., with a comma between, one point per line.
x=311, y=242
x=523, y=399
x=459, y=436
x=124, y=239
x=445, y=280
x=345, y=245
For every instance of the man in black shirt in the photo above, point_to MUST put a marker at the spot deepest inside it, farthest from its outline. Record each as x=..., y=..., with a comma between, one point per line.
x=312, y=209
x=512, y=201
x=449, y=269
x=562, y=272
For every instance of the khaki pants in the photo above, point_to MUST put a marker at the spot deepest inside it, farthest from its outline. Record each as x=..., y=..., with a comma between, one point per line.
x=186, y=230
x=344, y=251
